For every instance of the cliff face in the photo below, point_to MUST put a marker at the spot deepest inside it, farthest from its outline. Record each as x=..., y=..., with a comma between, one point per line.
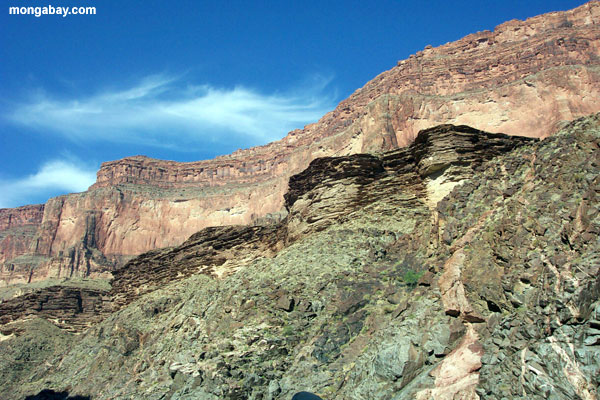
x=462, y=266
x=543, y=70
x=525, y=78
x=329, y=190
x=11, y=218
x=18, y=227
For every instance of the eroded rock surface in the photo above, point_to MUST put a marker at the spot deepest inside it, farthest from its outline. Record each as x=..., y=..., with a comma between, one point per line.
x=525, y=78
x=71, y=308
x=491, y=291
x=18, y=227
x=329, y=190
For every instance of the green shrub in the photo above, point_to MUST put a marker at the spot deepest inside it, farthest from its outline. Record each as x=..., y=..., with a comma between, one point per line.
x=412, y=277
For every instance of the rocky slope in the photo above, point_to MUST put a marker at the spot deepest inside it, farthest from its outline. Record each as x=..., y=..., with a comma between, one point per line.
x=463, y=266
x=525, y=78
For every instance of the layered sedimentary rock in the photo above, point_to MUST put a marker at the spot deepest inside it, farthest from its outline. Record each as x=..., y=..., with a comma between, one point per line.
x=216, y=252
x=328, y=191
x=92, y=233
x=18, y=227
x=71, y=308
x=524, y=78
x=487, y=287
x=427, y=170
x=15, y=217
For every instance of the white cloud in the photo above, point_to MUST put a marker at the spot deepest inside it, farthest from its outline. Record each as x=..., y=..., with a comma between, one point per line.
x=53, y=178
x=158, y=111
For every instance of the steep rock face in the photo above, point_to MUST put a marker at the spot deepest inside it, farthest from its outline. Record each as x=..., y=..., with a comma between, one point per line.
x=15, y=217
x=330, y=190
x=490, y=292
x=18, y=227
x=525, y=78
x=92, y=233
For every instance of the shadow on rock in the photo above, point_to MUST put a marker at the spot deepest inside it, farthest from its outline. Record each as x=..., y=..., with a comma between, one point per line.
x=48, y=394
x=305, y=396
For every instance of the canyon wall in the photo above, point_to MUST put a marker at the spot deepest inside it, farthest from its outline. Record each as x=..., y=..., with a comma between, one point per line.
x=524, y=78
x=463, y=266
x=18, y=228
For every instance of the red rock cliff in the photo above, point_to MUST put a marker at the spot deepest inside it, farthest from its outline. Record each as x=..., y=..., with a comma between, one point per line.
x=525, y=78
x=18, y=227
x=16, y=217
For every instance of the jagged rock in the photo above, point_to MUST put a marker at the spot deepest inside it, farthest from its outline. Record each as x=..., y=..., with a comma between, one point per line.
x=285, y=303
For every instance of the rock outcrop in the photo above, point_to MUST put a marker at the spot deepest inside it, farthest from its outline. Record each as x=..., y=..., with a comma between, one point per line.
x=378, y=284
x=524, y=78
x=216, y=252
x=427, y=170
x=71, y=308
x=330, y=189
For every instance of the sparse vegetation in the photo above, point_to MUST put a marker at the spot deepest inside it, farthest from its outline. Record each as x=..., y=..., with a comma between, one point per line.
x=411, y=278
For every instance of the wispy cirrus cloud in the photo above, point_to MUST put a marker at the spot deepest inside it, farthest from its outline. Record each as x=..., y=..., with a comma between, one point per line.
x=161, y=111
x=60, y=175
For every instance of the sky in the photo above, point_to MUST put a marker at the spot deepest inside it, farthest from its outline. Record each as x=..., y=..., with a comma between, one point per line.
x=189, y=80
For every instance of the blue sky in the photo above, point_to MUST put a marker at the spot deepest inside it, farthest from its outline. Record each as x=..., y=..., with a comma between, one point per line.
x=188, y=80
